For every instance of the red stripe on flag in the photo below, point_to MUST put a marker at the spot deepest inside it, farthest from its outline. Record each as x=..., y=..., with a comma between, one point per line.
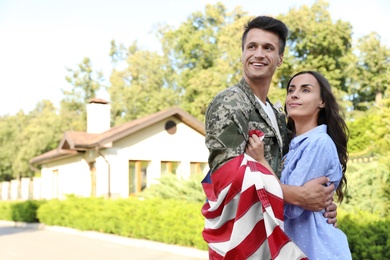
x=247, y=199
x=258, y=167
x=213, y=255
x=220, y=234
x=224, y=175
x=214, y=192
x=263, y=196
x=277, y=205
x=236, y=186
x=250, y=244
x=233, y=173
x=276, y=241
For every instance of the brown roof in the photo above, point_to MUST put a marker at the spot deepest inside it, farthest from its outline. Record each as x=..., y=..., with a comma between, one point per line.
x=73, y=140
x=53, y=155
x=77, y=142
x=98, y=101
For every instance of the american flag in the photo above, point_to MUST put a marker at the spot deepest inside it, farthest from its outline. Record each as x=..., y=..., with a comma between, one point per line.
x=244, y=213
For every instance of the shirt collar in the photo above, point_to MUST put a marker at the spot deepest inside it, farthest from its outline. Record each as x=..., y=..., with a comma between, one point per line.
x=298, y=139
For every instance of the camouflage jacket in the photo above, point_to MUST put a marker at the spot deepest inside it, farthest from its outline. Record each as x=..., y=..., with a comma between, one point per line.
x=229, y=118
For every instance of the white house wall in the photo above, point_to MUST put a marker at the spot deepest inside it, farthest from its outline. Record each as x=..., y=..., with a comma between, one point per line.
x=111, y=167
x=154, y=144
x=74, y=177
x=101, y=177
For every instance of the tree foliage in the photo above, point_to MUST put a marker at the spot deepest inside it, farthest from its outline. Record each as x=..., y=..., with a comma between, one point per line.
x=372, y=72
x=10, y=127
x=86, y=83
x=143, y=87
x=23, y=137
x=205, y=50
x=370, y=132
x=45, y=125
x=317, y=43
x=368, y=186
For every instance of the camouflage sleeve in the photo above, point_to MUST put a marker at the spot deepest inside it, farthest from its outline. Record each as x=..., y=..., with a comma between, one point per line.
x=226, y=127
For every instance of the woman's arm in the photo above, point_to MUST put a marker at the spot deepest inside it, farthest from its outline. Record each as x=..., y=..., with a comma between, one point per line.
x=313, y=195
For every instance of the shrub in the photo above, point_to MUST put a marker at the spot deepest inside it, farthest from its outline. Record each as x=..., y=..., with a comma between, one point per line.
x=172, y=187
x=177, y=222
x=5, y=210
x=368, y=235
x=164, y=220
x=25, y=211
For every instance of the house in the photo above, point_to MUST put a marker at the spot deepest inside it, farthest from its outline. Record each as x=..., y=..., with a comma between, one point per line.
x=123, y=160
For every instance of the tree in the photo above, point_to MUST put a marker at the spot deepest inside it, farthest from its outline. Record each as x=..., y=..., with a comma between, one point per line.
x=370, y=132
x=10, y=129
x=118, y=53
x=23, y=137
x=368, y=184
x=45, y=126
x=317, y=43
x=205, y=51
x=86, y=83
x=373, y=72
x=146, y=85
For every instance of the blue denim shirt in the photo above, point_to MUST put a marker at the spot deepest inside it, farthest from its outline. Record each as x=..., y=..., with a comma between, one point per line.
x=313, y=155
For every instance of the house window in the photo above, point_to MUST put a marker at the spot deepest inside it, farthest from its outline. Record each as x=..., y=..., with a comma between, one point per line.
x=198, y=168
x=169, y=167
x=170, y=127
x=138, y=176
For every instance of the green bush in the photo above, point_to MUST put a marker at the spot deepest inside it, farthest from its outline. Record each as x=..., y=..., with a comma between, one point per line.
x=368, y=235
x=172, y=187
x=5, y=210
x=176, y=221
x=164, y=220
x=25, y=211
x=79, y=213
x=368, y=186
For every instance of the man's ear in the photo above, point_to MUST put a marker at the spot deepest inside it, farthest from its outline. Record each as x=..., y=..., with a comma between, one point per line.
x=281, y=56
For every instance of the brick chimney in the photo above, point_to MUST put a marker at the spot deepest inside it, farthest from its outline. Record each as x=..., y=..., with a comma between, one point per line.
x=98, y=116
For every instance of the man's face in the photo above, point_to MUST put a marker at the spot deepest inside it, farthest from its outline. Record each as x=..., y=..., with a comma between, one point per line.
x=260, y=56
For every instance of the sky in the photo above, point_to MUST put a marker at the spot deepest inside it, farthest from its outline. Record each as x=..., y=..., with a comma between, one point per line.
x=40, y=39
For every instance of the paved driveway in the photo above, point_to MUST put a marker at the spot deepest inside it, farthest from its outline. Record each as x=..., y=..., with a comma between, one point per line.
x=33, y=242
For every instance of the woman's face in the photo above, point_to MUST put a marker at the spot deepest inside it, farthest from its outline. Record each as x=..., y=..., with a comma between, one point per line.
x=303, y=100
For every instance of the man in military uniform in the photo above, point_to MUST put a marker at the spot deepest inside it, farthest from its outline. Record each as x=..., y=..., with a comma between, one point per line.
x=245, y=106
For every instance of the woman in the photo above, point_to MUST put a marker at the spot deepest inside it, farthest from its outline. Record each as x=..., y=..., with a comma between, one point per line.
x=318, y=148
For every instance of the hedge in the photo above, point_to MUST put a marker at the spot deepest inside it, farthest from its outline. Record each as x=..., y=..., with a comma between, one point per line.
x=168, y=221
x=25, y=211
x=176, y=221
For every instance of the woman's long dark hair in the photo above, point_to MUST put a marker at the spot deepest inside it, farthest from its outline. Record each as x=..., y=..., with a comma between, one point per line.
x=336, y=126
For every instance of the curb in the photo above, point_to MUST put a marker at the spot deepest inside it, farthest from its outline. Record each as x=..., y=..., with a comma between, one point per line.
x=142, y=243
